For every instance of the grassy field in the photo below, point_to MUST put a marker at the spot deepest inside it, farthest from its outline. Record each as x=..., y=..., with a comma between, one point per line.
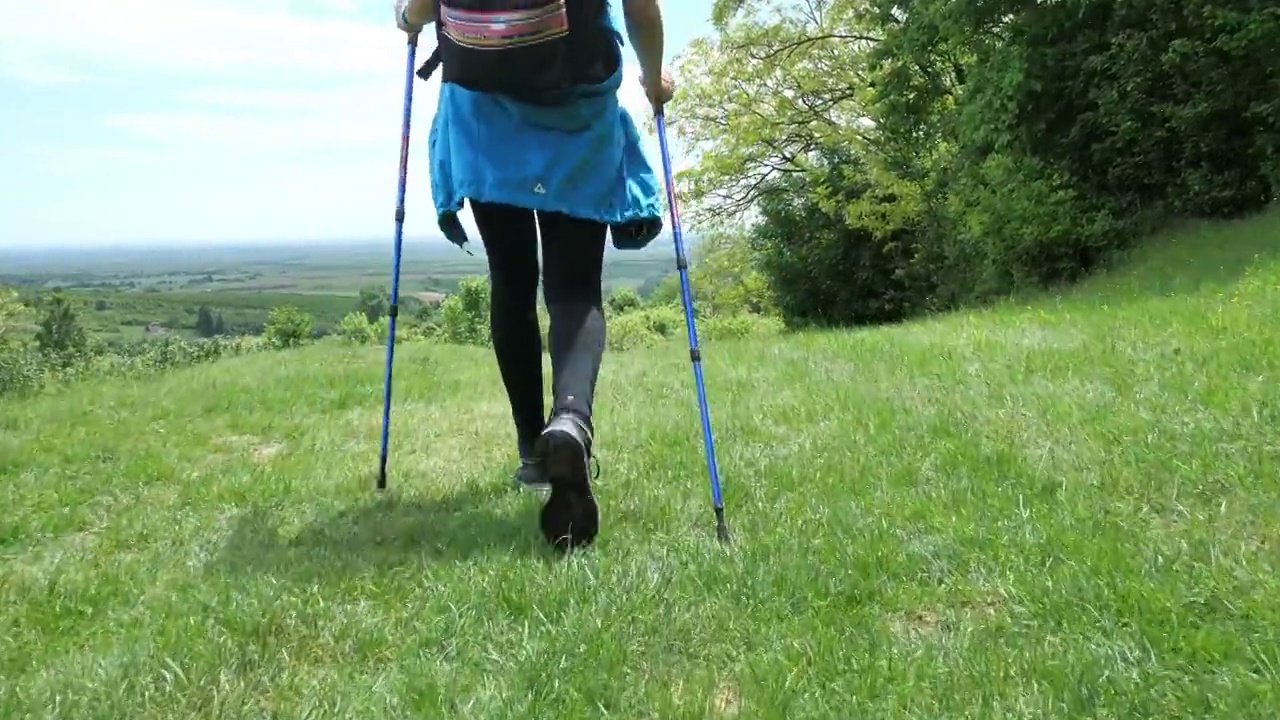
x=1062, y=508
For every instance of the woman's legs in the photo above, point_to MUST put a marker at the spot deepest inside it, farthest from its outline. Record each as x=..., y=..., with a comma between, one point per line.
x=573, y=253
x=510, y=240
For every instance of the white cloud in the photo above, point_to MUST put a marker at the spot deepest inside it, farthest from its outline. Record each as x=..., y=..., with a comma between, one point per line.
x=190, y=35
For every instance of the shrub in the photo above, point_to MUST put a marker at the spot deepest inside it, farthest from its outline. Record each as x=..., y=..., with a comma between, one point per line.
x=287, y=326
x=61, y=338
x=356, y=328
x=464, y=314
x=622, y=300
x=838, y=249
x=643, y=328
x=737, y=326
x=21, y=368
x=629, y=332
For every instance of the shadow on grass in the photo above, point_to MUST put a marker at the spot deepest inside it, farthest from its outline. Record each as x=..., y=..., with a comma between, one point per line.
x=386, y=533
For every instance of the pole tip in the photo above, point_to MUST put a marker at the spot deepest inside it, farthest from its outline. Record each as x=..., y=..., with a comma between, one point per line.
x=722, y=533
x=722, y=529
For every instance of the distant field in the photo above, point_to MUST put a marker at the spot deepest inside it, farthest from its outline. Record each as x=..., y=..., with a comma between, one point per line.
x=122, y=291
x=334, y=269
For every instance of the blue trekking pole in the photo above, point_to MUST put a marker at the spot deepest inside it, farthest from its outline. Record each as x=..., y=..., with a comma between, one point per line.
x=393, y=311
x=695, y=355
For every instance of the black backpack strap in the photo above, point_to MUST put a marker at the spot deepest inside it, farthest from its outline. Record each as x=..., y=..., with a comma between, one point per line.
x=431, y=65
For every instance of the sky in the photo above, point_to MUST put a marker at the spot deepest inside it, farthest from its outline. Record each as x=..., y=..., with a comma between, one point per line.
x=129, y=122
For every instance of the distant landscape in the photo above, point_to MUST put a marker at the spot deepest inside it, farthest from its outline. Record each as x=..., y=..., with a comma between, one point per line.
x=129, y=293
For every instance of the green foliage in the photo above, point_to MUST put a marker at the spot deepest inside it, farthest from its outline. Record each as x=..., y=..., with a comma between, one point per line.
x=374, y=302
x=622, y=300
x=725, y=276
x=61, y=338
x=738, y=326
x=209, y=323
x=464, y=314
x=13, y=314
x=630, y=332
x=645, y=327
x=20, y=366
x=288, y=326
x=665, y=292
x=953, y=151
x=768, y=89
x=826, y=268
x=356, y=328
x=24, y=368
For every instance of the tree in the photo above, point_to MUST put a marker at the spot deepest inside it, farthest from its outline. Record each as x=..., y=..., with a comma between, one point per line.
x=12, y=314
x=622, y=300
x=464, y=314
x=61, y=337
x=949, y=151
x=287, y=327
x=778, y=82
x=375, y=301
x=206, y=325
x=725, y=276
x=357, y=329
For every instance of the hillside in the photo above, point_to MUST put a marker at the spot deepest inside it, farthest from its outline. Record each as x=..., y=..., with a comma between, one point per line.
x=1064, y=507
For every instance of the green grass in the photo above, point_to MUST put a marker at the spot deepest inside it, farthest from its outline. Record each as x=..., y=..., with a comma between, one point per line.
x=1068, y=508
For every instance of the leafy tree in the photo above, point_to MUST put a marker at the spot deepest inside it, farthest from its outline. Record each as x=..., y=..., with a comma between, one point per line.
x=777, y=83
x=12, y=314
x=374, y=302
x=464, y=314
x=206, y=324
x=622, y=300
x=954, y=150
x=725, y=275
x=20, y=369
x=356, y=328
x=61, y=338
x=287, y=326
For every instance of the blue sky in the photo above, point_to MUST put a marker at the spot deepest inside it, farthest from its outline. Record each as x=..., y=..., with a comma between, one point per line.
x=183, y=121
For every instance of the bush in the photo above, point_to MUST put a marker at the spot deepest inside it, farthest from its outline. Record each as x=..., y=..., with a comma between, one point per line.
x=356, y=328
x=837, y=249
x=629, y=332
x=464, y=314
x=61, y=338
x=1013, y=224
x=21, y=368
x=737, y=326
x=287, y=327
x=622, y=300
x=643, y=328
x=725, y=275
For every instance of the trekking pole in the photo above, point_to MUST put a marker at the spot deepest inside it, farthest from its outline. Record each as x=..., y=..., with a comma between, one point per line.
x=394, y=309
x=695, y=355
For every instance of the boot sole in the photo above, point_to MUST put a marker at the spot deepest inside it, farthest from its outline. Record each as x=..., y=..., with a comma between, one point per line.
x=570, y=518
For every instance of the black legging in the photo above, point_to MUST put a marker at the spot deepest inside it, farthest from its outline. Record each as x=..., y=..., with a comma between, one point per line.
x=573, y=253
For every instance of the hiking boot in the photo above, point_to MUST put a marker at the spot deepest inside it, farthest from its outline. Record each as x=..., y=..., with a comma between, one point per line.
x=570, y=517
x=529, y=475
